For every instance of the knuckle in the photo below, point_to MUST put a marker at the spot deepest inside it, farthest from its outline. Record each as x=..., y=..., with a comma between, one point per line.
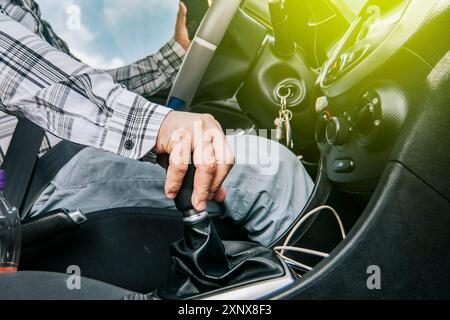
x=217, y=123
x=203, y=193
x=209, y=168
x=180, y=169
x=230, y=160
x=215, y=187
x=179, y=135
x=203, y=123
x=208, y=117
x=184, y=133
x=173, y=187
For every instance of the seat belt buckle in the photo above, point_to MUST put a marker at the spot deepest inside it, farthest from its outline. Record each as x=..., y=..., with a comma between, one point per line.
x=77, y=216
x=50, y=225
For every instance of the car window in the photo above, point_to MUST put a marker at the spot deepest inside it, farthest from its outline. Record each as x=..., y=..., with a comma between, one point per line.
x=111, y=33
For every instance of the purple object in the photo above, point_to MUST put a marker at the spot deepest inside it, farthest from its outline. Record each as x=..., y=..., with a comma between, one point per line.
x=2, y=179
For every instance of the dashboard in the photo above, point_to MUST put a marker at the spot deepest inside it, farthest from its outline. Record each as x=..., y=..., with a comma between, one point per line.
x=365, y=35
x=380, y=30
x=355, y=79
x=367, y=84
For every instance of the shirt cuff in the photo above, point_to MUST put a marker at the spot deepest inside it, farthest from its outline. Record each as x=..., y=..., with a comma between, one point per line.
x=175, y=48
x=133, y=127
x=170, y=57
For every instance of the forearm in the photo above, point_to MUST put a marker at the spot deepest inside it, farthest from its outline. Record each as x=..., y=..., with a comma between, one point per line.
x=70, y=99
x=153, y=73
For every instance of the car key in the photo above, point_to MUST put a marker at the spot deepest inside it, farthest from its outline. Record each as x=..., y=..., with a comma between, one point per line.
x=279, y=129
x=283, y=129
x=288, y=129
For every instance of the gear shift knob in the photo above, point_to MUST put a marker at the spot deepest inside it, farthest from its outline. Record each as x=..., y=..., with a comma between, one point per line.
x=183, y=200
x=198, y=230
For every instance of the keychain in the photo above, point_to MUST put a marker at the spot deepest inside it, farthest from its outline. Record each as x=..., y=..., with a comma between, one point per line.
x=283, y=128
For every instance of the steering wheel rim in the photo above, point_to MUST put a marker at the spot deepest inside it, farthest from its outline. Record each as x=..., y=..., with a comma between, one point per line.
x=209, y=35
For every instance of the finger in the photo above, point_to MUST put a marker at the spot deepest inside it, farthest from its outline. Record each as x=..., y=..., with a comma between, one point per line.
x=179, y=160
x=182, y=13
x=224, y=158
x=220, y=195
x=181, y=31
x=205, y=163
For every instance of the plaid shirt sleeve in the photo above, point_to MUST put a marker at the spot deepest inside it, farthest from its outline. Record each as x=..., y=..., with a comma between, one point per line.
x=153, y=73
x=70, y=99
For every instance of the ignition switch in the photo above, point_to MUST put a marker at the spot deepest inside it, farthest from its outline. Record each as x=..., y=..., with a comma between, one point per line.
x=297, y=89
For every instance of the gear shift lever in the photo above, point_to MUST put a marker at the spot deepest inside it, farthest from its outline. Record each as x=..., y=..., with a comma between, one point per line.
x=183, y=199
x=199, y=231
x=202, y=263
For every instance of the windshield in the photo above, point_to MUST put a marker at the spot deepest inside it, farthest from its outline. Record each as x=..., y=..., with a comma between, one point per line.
x=354, y=5
x=111, y=33
x=349, y=8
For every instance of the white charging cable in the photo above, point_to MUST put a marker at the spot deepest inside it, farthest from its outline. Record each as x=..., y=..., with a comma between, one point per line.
x=280, y=250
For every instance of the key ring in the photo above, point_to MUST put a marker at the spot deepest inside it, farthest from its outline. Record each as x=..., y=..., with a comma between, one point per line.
x=283, y=97
x=285, y=114
x=288, y=114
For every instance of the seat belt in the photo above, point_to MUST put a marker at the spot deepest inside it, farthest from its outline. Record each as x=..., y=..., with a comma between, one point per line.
x=27, y=176
x=20, y=160
x=47, y=167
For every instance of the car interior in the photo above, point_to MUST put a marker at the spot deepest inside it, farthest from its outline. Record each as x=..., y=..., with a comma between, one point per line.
x=366, y=88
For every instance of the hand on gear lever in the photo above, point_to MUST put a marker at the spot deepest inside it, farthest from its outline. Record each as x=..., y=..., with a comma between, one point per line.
x=202, y=263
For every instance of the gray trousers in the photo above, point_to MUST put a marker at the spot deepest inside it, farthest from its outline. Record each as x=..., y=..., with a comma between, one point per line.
x=266, y=190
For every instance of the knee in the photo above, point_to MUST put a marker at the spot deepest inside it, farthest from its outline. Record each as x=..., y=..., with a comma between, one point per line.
x=263, y=156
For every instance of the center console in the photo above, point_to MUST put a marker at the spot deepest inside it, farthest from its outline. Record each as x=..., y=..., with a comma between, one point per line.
x=367, y=97
x=205, y=267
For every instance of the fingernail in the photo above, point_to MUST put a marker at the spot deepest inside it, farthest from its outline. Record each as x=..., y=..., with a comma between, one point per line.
x=201, y=206
x=195, y=200
x=171, y=195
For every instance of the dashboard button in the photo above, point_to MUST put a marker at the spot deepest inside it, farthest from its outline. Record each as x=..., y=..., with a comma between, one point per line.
x=344, y=165
x=337, y=131
x=365, y=118
x=321, y=104
x=321, y=127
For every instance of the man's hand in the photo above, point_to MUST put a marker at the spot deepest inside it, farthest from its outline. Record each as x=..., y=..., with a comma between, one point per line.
x=181, y=31
x=184, y=134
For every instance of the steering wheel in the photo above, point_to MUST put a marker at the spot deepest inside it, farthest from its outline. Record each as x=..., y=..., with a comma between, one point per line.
x=199, y=55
